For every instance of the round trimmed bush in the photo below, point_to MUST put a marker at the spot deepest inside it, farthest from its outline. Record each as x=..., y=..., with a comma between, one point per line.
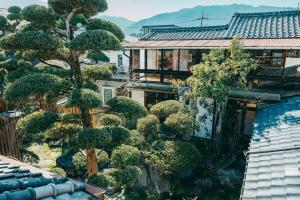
x=94, y=137
x=58, y=171
x=166, y=108
x=98, y=72
x=35, y=123
x=110, y=120
x=171, y=157
x=85, y=99
x=126, y=155
x=101, y=180
x=180, y=124
x=136, y=139
x=149, y=126
x=62, y=130
x=131, y=109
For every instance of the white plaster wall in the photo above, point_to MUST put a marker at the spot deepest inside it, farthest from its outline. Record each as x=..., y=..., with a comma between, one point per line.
x=292, y=62
x=139, y=96
x=205, y=120
x=113, y=57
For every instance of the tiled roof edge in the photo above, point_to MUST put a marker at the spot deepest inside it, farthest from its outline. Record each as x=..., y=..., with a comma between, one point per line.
x=264, y=14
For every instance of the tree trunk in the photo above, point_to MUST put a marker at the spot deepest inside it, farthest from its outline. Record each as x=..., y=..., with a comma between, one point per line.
x=92, y=166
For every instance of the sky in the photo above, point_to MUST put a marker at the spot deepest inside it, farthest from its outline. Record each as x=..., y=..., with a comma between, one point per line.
x=140, y=9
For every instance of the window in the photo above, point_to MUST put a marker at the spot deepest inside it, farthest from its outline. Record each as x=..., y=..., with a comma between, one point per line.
x=120, y=60
x=108, y=93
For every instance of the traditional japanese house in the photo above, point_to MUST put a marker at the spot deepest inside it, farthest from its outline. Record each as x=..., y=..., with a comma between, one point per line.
x=165, y=54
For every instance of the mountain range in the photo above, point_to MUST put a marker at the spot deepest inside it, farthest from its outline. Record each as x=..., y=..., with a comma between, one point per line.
x=212, y=15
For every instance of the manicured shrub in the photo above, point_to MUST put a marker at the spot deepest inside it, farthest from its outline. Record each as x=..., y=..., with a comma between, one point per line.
x=180, y=124
x=58, y=171
x=62, y=131
x=85, y=99
x=149, y=126
x=110, y=120
x=166, y=108
x=126, y=155
x=136, y=139
x=35, y=123
x=91, y=86
x=124, y=177
x=94, y=137
x=98, y=72
x=97, y=56
x=101, y=180
x=131, y=109
x=119, y=135
x=171, y=157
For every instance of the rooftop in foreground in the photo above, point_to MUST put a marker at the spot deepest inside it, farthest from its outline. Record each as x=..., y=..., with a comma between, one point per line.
x=20, y=181
x=273, y=170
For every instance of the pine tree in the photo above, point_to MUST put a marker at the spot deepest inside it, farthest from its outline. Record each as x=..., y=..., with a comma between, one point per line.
x=51, y=35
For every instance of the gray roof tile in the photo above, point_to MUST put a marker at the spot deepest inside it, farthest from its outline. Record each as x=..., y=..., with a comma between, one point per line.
x=266, y=25
x=15, y=182
x=273, y=169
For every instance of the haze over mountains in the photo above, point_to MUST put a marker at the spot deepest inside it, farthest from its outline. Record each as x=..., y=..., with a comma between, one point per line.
x=216, y=15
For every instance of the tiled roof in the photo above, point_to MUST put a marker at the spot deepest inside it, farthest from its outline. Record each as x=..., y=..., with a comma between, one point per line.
x=273, y=169
x=19, y=181
x=292, y=43
x=266, y=25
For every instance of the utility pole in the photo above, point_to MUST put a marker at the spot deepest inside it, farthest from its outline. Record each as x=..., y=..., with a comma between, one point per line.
x=202, y=18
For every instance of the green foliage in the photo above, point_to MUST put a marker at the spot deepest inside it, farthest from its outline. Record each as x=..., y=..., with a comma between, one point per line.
x=126, y=155
x=35, y=84
x=91, y=86
x=171, y=157
x=123, y=177
x=110, y=120
x=119, y=135
x=166, y=108
x=62, y=130
x=70, y=118
x=9, y=64
x=97, y=56
x=34, y=124
x=181, y=124
x=95, y=40
x=215, y=82
x=100, y=180
x=98, y=72
x=87, y=8
x=80, y=162
x=131, y=109
x=47, y=69
x=97, y=24
x=39, y=14
x=3, y=22
x=3, y=80
x=14, y=9
x=91, y=138
x=139, y=194
x=136, y=139
x=149, y=126
x=29, y=41
x=85, y=99
x=58, y=171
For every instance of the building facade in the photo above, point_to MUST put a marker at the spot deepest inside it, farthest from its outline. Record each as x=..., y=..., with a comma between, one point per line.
x=165, y=54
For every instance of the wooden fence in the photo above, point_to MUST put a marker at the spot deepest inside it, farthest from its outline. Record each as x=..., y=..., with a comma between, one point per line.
x=10, y=138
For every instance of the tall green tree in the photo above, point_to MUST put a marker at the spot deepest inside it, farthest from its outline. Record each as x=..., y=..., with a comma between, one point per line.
x=220, y=71
x=50, y=35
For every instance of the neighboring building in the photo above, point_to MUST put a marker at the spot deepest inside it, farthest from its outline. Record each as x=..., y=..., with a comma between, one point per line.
x=20, y=181
x=273, y=170
x=121, y=58
x=167, y=53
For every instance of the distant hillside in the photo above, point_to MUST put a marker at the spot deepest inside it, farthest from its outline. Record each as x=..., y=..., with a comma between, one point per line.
x=217, y=15
x=120, y=21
